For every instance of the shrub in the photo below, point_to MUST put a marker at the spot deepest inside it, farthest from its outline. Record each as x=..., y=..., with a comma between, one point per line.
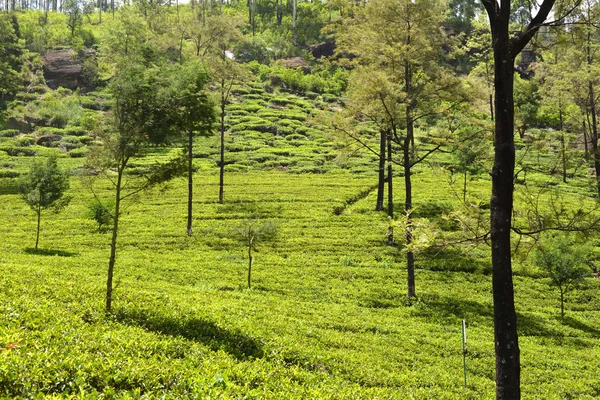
x=254, y=49
x=8, y=173
x=564, y=262
x=103, y=215
x=20, y=151
x=25, y=141
x=78, y=153
x=9, y=133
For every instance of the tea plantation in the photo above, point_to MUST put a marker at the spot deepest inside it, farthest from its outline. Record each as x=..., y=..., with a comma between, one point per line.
x=327, y=316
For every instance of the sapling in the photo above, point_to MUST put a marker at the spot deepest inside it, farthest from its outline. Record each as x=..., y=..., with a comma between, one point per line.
x=102, y=214
x=43, y=187
x=253, y=231
x=565, y=264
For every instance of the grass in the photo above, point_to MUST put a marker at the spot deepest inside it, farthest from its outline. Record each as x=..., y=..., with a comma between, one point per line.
x=327, y=317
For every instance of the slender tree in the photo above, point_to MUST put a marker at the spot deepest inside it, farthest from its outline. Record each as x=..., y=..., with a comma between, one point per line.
x=44, y=187
x=11, y=59
x=398, y=81
x=564, y=263
x=191, y=111
x=251, y=232
x=506, y=46
x=134, y=122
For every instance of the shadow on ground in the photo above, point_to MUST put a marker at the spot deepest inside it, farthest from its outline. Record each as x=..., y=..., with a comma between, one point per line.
x=449, y=309
x=575, y=324
x=49, y=252
x=232, y=341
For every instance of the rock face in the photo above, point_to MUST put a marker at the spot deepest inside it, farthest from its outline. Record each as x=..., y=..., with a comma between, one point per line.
x=62, y=68
x=295, y=62
x=325, y=49
x=47, y=140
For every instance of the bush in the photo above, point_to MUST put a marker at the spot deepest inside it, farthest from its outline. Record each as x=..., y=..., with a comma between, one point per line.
x=20, y=151
x=103, y=215
x=48, y=130
x=285, y=130
x=25, y=141
x=9, y=133
x=8, y=173
x=78, y=153
x=254, y=49
x=70, y=142
x=564, y=262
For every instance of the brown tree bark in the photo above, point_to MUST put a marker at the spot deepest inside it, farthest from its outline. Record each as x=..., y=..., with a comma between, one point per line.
x=505, y=48
x=381, y=182
x=113, y=242
x=410, y=257
x=249, y=262
x=190, y=182
x=39, y=217
x=390, y=238
x=222, y=150
x=505, y=319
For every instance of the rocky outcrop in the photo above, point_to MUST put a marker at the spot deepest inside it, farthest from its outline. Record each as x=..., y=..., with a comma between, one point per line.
x=48, y=140
x=325, y=49
x=66, y=68
x=295, y=62
x=62, y=68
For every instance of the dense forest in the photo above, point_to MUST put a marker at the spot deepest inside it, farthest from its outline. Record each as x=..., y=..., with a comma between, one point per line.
x=299, y=199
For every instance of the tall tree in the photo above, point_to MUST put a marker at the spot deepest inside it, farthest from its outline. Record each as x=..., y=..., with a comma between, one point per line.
x=75, y=16
x=11, y=59
x=213, y=40
x=506, y=46
x=584, y=58
x=131, y=126
x=190, y=110
x=399, y=81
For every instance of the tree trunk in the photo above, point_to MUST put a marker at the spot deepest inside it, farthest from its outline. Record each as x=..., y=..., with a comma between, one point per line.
x=410, y=257
x=390, y=191
x=39, y=217
x=562, y=142
x=295, y=31
x=564, y=157
x=113, y=242
x=562, y=303
x=505, y=319
x=190, y=183
x=279, y=12
x=465, y=186
x=253, y=16
x=222, y=151
x=249, y=262
x=408, y=150
x=594, y=135
x=381, y=183
x=585, y=142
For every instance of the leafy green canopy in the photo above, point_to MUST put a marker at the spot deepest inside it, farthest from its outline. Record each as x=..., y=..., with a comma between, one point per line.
x=44, y=185
x=10, y=58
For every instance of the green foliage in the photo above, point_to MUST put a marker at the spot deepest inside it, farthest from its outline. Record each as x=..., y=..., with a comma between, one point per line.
x=11, y=61
x=332, y=81
x=181, y=103
x=254, y=231
x=41, y=33
x=103, y=215
x=564, y=261
x=254, y=49
x=44, y=185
